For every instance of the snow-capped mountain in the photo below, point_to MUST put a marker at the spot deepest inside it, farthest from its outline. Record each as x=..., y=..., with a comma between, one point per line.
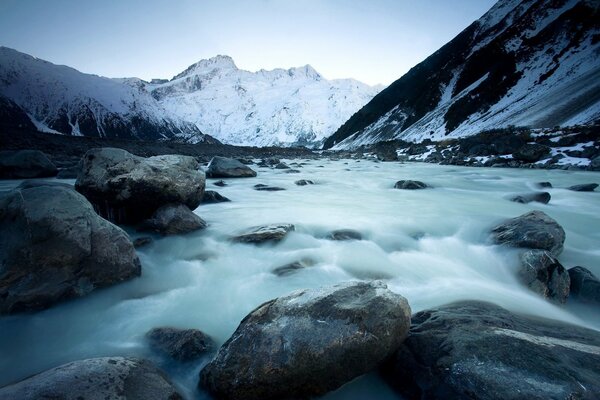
x=278, y=107
x=525, y=62
x=63, y=100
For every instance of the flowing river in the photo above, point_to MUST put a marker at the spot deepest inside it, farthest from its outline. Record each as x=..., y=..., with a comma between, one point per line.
x=431, y=246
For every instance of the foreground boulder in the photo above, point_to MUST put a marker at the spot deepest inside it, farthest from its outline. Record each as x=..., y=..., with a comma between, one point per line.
x=222, y=167
x=173, y=219
x=265, y=233
x=309, y=342
x=125, y=188
x=540, y=197
x=410, y=185
x=586, y=187
x=96, y=378
x=24, y=164
x=53, y=246
x=585, y=287
x=534, y=230
x=543, y=274
x=477, y=350
x=180, y=344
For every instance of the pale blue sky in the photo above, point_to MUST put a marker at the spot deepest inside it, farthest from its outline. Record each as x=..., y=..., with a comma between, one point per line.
x=375, y=41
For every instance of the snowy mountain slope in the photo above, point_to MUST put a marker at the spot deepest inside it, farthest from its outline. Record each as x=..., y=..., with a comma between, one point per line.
x=525, y=62
x=63, y=100
x=278, y=107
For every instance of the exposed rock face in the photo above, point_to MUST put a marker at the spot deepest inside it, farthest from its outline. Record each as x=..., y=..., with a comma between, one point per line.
x=410, y=185
x=586, y=187
x=173, y=219
x=180, y=344
x=345, y=234
x=53, y=247
x=222, y=167
x=266, y=233
x=24, y=164
x=543, y=274
x=477, y=350
x=95, y=379
x=309, y=342
x=535, y=230
x=585, y=286
x=128, y=189
x=540, y=197
x=210, y=196
x=531, y=152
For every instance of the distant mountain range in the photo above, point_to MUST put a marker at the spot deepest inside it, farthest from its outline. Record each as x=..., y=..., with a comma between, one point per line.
x=525, y=62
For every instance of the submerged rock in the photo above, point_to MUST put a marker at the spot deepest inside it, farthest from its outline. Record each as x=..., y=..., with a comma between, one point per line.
x=265, y=233
x=345, y=234
x=535, y=230
x=295, y=266
x=544, y=184
x=53, y=247
x=222, y=167
x=586, y=187
x=309, y=342
x=585, y=287
x=477, y=350
x=410, y=185
x=180, y=344
x=173, y=219
x=540, y=197
x=220, y=183
x=543, y=274
x=96, y=378
x=128, y=189
x=267, y=188
x=304, y=182
x=24, y=164
x=210, y=196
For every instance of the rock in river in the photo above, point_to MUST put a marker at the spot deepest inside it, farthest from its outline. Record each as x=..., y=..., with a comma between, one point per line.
x=222, y=167
x=543, y=274
x=410, y=185
x=309, y=342
x=53, y=247
x=128, y=189
x=173, y=219
x=24, y=164
x=586, y=187
x=540, y=197
x=477, y=350
x=210, y=196
x=266, y=233
x=585, y=287
x=180, y=344
x=345, y=234
x=95, y=379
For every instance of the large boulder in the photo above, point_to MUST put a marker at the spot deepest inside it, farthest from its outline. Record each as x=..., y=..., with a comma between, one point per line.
x=180, y=344
x=534, y=230
x=585, y=287
x=24, y=164
x=125, y=188
x=477, y=350
x=265, y=233
x=309, y=342
x=531, y=152
x=95, y=379
x=222, y=167
x=543, y=274
x=173, y=219
x=53, y=246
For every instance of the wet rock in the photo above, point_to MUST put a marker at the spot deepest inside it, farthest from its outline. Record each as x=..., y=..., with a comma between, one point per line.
x=531, y=152
x=267, y=188
x=309, y=342
x=220, y=183
x=477, y=350
x=293, y=267
x=96, y=378
x=535, y=230
x=210, y=196
x=128, y=189
x=540, y=197
x=53, y=247
x=282, y=165
x=24, y=164
x=544, y=184
x=345, y=234
x=304, y=182
x=585, y=287
x=543, y=274
x=266, y=233
x=222, y=167
x=173, y=219
x=69, y=172
x=180, y=344
x=142, y=241
x=292, y=171
x=586, y=187
x=410, y=185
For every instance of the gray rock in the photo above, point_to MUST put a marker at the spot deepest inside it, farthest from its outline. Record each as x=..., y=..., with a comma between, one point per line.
x=293, y=267
x=477, y=350
x=586, y=187
x=292, y=171
x=173, y=219
x=267, y=188
x=585, y=287
x=210, y=196
x=128, y=189
x=543, y=274
x=53, y=247
x=222, y=167
x=531, y=152
x=96, y=379
x=180, y=344
x=345, y=234
x=24, y=164
x=304, y=182
x=410, y=185
x=544, y=184
x=220, y=183
x=142, y=241
x=534, y=230
x=309, y=342
x=266, y=233
x=282, y=165
x=540, y=197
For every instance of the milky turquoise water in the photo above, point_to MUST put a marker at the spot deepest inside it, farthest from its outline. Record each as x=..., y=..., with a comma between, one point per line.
x=429, y=245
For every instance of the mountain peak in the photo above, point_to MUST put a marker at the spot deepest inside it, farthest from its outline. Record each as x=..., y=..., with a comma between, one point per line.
x=307, y=71
x=219, y=62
